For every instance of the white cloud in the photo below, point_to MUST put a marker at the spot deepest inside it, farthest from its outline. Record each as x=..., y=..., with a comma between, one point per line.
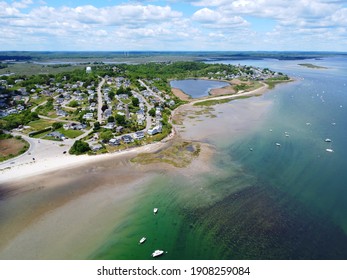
x=217, y=19
x=22, y=4
x=211, y=24
x=340, y=17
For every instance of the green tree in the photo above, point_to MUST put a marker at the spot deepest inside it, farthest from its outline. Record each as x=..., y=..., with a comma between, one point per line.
x=57, y=125
x=106, y=135
x=120, y=119
x=96, y=126
x=111, y=94
x=73, y=103
x=79, y=147
x=135, y=101
x=120, y=90
x=151, y=112
x=110, y=119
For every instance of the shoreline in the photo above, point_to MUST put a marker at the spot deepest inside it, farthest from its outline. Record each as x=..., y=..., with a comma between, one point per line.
x=66, y=161
x=66, y=186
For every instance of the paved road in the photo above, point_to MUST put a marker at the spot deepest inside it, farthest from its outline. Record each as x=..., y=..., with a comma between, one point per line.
x=150, y=90
x=100, y=100
x=149, y=106
x=39, y=150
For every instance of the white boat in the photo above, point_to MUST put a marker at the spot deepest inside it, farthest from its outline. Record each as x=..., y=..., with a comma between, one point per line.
x=327, y=140
x=157, y=253
x=155, y=210
x=278, y=144
x=142, y=240
x=329, y=150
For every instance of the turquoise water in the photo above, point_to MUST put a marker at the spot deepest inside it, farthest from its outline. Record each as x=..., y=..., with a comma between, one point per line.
x=310, y=110
x=267, y=202
x=197, y=88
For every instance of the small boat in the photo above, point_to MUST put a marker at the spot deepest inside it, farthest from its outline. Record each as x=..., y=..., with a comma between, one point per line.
x=330, y=150
x=157, y=253
x=155, y=210
x=142, y=240
x=251, y=149
x=327, y=140
x=278, y=144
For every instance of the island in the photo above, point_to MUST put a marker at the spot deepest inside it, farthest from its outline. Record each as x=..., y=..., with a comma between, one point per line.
x=312, y=66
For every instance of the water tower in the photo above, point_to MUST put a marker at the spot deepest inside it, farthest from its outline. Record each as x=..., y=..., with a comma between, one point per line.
x=88, y=69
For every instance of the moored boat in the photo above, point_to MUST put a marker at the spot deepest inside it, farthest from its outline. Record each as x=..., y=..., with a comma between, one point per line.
x=157, y=253
x=142, y=240
x=155, y=210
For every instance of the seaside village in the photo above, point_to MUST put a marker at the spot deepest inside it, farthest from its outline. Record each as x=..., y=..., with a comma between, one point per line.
x=109, y=113
x=105, y=114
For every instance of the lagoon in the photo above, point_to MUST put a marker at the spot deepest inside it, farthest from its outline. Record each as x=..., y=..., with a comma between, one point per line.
x=197, y=88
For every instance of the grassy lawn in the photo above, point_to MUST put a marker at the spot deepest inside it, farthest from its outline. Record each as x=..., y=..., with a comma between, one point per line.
x=125, y=101
x=39, y=125
x=12, y=147
x=70, y=133
x=38, y=101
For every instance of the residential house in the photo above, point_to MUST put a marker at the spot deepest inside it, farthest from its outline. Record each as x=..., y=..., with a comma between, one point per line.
x=57, y=135
x=114, y=142
x=88, y=116
x=62, y=113
x=139, y=135
x=127, y=139
x=108, y=113
x=155, y=130
x=110, y=125
x=119, y=129
x=95, y=147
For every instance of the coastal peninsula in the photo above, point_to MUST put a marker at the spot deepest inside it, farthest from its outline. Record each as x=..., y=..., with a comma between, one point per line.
x=104, y=109
x=58, y=184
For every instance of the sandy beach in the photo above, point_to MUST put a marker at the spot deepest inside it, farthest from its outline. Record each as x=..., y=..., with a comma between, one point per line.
x=180, y=94
x=64, y=207
x=49, y=155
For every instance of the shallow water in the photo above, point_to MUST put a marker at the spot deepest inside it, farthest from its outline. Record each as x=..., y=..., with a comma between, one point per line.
x=263, y=201
x=258, y=201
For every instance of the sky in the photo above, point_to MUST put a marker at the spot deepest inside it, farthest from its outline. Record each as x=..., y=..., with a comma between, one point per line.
x=174, y=25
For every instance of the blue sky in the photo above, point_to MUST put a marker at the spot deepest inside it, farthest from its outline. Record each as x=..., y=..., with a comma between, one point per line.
x=174, y=25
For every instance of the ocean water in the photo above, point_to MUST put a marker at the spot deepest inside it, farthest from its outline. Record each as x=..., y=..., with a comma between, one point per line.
x=262, y=201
